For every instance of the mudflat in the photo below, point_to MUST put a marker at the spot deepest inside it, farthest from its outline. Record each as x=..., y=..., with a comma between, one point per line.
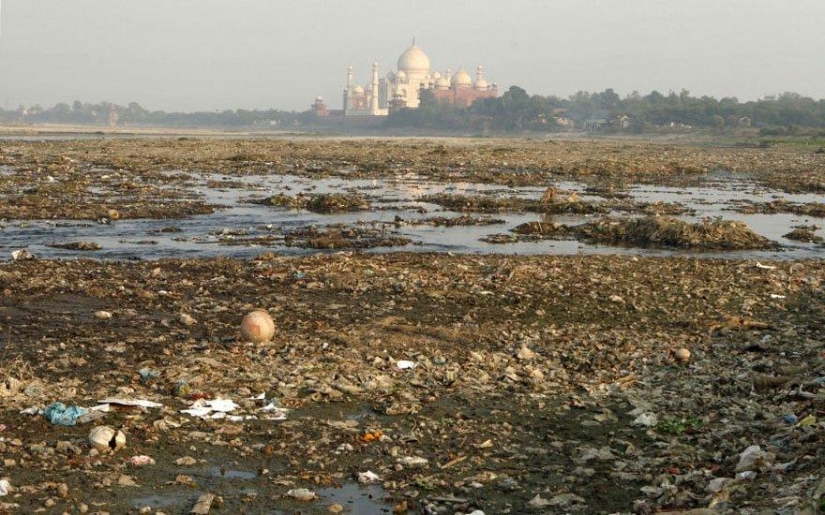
x=404, y=382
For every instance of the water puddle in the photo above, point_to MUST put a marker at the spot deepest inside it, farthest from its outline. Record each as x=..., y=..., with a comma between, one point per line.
x=243, y=229
x=364, y=500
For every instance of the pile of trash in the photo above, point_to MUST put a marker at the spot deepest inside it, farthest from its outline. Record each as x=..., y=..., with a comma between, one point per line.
x=671, y=232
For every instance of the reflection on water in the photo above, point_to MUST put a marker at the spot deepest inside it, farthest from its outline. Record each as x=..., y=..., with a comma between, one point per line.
x=205, y=235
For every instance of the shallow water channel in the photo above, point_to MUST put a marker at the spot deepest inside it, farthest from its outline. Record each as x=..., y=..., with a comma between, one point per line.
x=243, y=229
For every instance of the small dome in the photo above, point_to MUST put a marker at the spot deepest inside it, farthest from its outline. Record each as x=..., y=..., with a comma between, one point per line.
x=401, y=76
x=461, y=79
x=358, y=90
x=436, y=75
x=442, y=83
x=319, y=99
x=390, y=76
x=414, y=60
x=481, y=84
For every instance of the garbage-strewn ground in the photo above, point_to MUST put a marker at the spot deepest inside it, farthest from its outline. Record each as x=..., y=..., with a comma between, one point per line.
x=450, y=383
x=539, y=376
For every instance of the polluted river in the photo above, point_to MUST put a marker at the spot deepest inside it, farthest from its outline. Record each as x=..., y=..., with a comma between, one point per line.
x=264, y=325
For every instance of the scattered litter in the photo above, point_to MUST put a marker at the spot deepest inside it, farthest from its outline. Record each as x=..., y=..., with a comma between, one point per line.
x=646, y=419
x=368, y=478
x=765, y=267
x=5, y=487
x=203, y=504
x=147, y=374
x=129, y=403
x=538, y=502
x=22, y=255
x=214, y=408
x=754, y=459
x=807, y=421
x=107, y=439
x=302, y=494
x=776, y=296
x=103, y=315
x=405, y=365
x=62, y=415
x=413, y=462
x=141, y=461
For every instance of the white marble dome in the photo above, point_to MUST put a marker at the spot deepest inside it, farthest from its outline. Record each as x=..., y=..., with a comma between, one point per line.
x=461, y=79
x=442, y=83
x=414, y=60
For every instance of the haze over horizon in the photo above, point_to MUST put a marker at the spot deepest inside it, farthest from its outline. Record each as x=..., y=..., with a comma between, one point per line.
x=193, y=55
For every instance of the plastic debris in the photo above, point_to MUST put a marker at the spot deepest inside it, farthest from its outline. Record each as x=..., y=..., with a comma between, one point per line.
x=60, y=414
x=131, y=403
x=22, y=255
x=789, y=418
x=754, y=459
x=646, y=419
x=403, y=364
x=302, y=494
x=215, y=408
x=147, y=374
x=368, y=478
x=807, y=421
x=203, y=504
x=107, y=439
x=141, y=461
x=5, y=487
x=413, y=462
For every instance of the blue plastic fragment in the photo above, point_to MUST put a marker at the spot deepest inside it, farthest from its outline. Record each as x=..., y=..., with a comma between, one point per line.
x=789, y=418
x=62, y=415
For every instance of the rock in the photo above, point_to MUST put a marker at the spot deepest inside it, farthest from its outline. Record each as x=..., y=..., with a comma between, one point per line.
x=682, y=355
x=103, y=315
x=525, y=353
x=538, y=502
x=187, y=320
x=646, y=419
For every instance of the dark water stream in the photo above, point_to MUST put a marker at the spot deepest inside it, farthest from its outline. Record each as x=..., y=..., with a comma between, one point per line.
x=216, y=234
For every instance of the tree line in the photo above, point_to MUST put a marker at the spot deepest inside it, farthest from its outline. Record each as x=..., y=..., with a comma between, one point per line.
x=513, y=111
x=106, y=113
x=516, y=110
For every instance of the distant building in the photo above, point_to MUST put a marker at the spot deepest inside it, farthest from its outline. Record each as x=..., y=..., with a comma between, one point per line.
x=402, y=88
x=319, y=107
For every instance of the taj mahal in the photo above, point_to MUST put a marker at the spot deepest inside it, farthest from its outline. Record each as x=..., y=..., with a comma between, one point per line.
x=402, y=88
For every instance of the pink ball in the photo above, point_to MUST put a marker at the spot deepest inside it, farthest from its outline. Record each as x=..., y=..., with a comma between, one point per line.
x=257, y=327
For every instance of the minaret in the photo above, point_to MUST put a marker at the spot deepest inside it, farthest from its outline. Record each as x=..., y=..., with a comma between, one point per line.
x=479, y=73
x=348, y=89
x=374, y=99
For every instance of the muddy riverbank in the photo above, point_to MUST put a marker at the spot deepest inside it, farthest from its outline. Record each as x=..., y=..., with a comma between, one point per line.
x=512, y=326
x=555, y=377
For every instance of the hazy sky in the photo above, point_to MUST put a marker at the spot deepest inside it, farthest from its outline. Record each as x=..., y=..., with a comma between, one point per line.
x=210, y=54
